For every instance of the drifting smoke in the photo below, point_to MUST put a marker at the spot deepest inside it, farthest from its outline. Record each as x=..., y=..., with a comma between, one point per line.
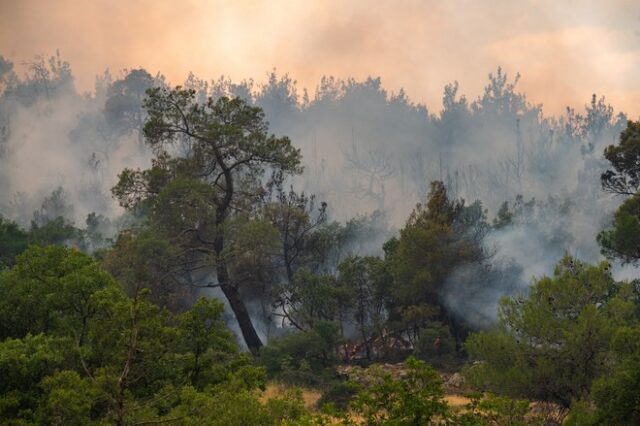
x=56, y=138
x=364, y=150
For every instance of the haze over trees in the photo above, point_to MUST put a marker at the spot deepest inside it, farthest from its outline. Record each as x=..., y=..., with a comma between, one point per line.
x=180, y=246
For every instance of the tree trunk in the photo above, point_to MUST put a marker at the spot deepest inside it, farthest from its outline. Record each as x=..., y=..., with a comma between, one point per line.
x=242, y=316
x=235, y=301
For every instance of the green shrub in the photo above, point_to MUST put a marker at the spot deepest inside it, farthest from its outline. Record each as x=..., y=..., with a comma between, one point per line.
x=302, y=357
x=339, y=395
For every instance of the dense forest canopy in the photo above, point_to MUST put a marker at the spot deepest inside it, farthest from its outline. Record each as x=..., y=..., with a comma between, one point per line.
x=150, y=233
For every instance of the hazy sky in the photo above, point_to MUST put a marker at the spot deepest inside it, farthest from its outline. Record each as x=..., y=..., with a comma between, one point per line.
x=564, y=49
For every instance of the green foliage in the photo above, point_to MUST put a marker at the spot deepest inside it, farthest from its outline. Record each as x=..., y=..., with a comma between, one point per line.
x=492, y=409
x=219, y=407
x=416, y=399
x=365, y=281
x=207, y=341
x=23, y=364
x=221, y=153
x=50, y=224
x=504, y=217
x=299, y=356
x=299, y=221
x=123, y=107
x=616, y=394
x=249, y=254
x=623, y=239
x=339, y=395
x=55, y=231
x=437, y=238
x=13, y=241
x=101, y=356
x=94, y=233
x=314, y=298
x=169, y=210
x=229, y=404
x=49, y=290
x=436, y=345
x=551, y=344
x=67, y=399
x=625, y=177
x=582, y=414
x=286, y=408
x=141, y=260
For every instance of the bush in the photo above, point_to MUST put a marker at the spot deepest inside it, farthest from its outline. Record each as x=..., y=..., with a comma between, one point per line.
x=301, y=356
x=416, y=399
x=339, y=395
x=436, y=345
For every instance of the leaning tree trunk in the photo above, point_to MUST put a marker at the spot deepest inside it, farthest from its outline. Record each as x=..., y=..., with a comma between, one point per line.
x=238, y=307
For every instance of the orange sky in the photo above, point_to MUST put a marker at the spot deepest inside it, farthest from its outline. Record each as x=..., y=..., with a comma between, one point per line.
x=565, y=49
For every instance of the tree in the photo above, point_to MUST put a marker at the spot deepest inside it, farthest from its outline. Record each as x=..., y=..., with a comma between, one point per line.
x=370, y=169
x=123, y=108
x=616, y=394
x=45, y=79
x=13, y=241
x=23, y=364
x=365, y=281
x=279, y=100
x=57, y=231
x=49, y=291
x=299, y=222
x=624, y=179
x=50, y=224
x=210, y=165
x=313, y=298
x=302, y=356
x=437, y=238
x=68, y=399
x=6, y=71
x=551, y=344
x=296, y=217
x=504, y=217
x=53, y=206
x=142, y=260
x=621, y=240
x=204, y=336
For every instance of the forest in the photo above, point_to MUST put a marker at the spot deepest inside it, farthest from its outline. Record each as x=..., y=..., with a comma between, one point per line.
x=215, y=252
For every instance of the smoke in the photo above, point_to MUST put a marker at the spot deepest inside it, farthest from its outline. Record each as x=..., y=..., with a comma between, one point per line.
x=57, y=138
x=472, y=292
x=539, y=234
x=567, y=49
x=40, y=157
x=365, y=149
x=368, y=149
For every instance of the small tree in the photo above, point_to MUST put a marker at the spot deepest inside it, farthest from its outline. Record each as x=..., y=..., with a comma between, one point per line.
x=436, y=239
